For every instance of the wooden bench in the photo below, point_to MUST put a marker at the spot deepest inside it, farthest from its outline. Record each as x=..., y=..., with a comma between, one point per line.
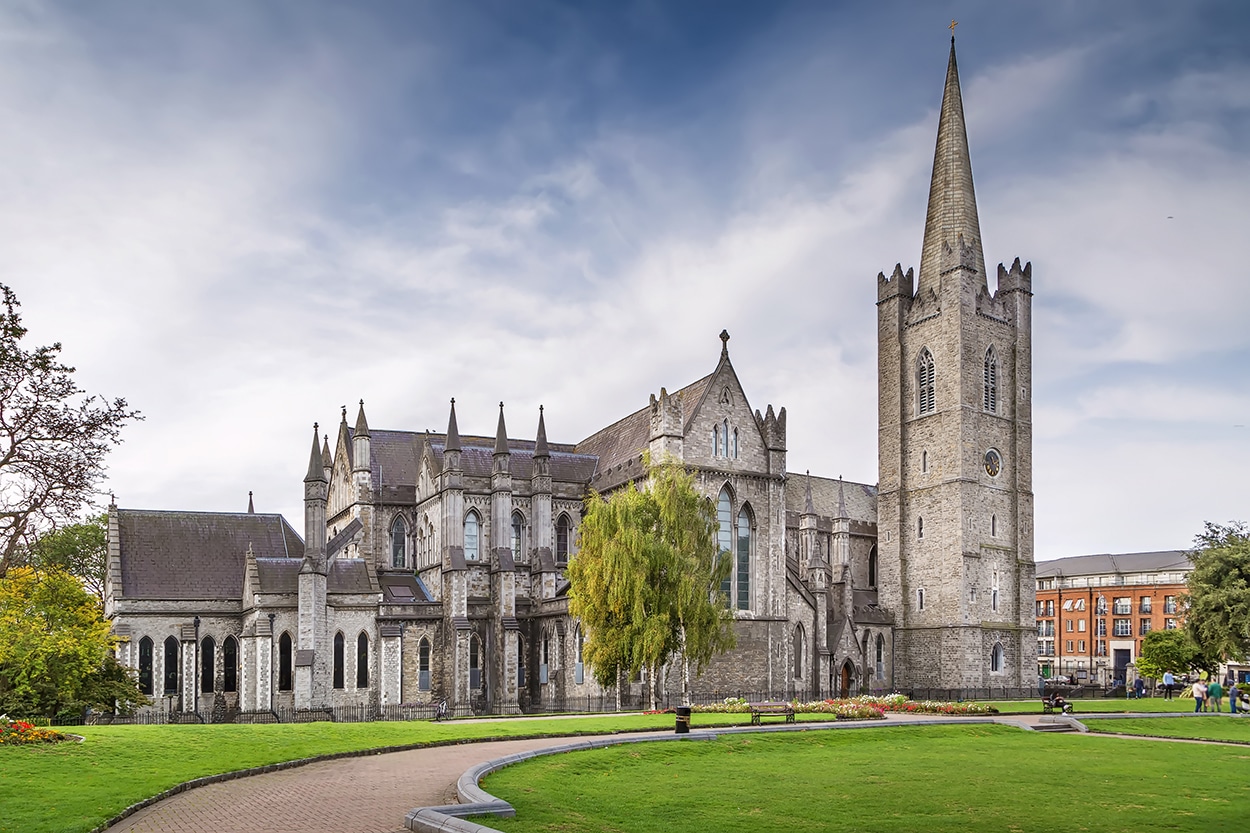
x=759, y=710
x=1048, y=706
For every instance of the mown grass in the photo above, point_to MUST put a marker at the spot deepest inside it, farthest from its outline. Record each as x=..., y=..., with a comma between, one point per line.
x=1099, y=705
x=1199, y=727
x=72, y=788
x=932, y=778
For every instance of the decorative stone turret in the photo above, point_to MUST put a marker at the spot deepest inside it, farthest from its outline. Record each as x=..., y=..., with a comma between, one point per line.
x=503, y=670
x=455, y=582
x=543, y=557
x=312, y=659
x=667, y=429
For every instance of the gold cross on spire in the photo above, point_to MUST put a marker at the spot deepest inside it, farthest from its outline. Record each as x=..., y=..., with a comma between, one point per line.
x=954, y=23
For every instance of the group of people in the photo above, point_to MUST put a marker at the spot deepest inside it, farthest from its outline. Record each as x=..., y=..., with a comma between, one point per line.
x=1208, y=696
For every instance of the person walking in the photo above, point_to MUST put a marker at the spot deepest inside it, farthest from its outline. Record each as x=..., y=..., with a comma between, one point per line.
x=1200, y=696
x=1233, y=694
x=1169, y=680
x=1139, y=688
x=1215, y=693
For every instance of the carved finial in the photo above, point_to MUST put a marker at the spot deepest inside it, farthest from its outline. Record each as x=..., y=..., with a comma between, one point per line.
x=344, y=411
x=724, y=342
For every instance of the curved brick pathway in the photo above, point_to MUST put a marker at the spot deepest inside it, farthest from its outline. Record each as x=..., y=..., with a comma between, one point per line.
x=370, y=794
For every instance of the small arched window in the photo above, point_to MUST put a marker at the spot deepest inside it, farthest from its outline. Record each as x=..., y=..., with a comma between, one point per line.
x=284, y=662
x=518, y=525
x=798, y=652
x=744, y=559
x=339, y=662
x=579, y=669
x=145, y=665
x=994, y=591
x=562, y=539
x=880, y=657
x=993, y=526
x=990, y=398
x=171, y=665
x=475, y=662
x=926, y=391
x=423, y=665
x=208, y=664
x=725, y=434
x=920, y=527
x=362, y=660
x=920, y=599
x=996, y=658
x=399, y=543
x=230, y=664
x=715, y=440
x=872, y=566
x=471, y=529
x=735, y=443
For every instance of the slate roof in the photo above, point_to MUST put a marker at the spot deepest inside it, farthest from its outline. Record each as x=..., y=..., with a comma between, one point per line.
x=197, y=555
x=861, y=499
x=278, y=575
x=626, y=438
x=1165, y=561
x=395, y=456
x=346, y=575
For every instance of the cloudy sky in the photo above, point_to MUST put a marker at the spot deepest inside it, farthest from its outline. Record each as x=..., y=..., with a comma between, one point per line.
x=241, y=216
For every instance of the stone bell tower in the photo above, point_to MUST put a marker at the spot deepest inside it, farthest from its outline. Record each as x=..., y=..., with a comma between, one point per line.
x=955, y=506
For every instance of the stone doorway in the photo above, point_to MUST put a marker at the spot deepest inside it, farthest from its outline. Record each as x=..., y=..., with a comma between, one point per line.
x=845, y=678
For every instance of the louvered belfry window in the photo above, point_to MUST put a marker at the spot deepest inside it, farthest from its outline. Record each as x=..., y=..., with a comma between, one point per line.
x=990, y=401
x=926, y=397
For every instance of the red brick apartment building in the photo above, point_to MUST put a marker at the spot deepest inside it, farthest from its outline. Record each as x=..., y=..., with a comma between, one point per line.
x=1094, y=610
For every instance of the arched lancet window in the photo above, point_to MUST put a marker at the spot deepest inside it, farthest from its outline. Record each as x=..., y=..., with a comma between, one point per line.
x=715, y=440
x=926, y=395
x=924, y=461
x=725, y=434
x=799, y=649
x=880, y=657
x=399, y=544
x=744, y=559
x=230, y=664
x=994, y=591
x=996, y=658
x=920, y=598
x=544, y=658
x=339, y=662
x=423, y=665
x=520, y=662
x=562, y=538
x=735, y=443
x=208, y=664
x=145, y=665
x=171, y=666
x=993, y=526
x=284, y=662
x=872, y=566
x=724, y=537
x=362, y=660
x=475, y=662
x=518, y=524
x=990, y=399
x=579, y=669
x=471, y=529
x=920, y=527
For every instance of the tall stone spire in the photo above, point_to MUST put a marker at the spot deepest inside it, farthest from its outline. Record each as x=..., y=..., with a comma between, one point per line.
x=952, y=200
x=501, y=434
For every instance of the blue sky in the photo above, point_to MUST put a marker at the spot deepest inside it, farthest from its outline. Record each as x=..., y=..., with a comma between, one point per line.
x=241, y=216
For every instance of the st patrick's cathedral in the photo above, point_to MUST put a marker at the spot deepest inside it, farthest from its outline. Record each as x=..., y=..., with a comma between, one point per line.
x=432, y=566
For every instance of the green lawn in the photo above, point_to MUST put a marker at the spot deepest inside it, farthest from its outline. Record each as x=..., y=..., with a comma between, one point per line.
x=1099, y=705
x=938, y=778
x=70, y=787
x=1199, y=727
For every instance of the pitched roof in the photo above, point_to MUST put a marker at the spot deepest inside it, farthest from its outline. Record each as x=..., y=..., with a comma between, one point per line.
x=628, y=437
x=860, y=498
x=197, y=555
x=1165, y=561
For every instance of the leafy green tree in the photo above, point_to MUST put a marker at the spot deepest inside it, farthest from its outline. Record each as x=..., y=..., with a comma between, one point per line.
x=1172, y=650
x=645, y=580
x=1217, y=606
x=56, y=649
x=79, y=549
x=53, y=437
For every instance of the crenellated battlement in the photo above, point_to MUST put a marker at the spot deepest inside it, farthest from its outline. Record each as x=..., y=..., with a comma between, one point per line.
x=898, y=284
x=1017, y=279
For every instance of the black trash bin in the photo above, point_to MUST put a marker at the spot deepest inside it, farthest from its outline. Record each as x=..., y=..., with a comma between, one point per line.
x=683, y=720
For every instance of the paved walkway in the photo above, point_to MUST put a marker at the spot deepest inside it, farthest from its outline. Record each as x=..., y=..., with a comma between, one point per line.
x=354, y=795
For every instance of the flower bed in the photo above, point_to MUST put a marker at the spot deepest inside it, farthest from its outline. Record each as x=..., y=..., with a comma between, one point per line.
x=15, y=732
x=864, y=707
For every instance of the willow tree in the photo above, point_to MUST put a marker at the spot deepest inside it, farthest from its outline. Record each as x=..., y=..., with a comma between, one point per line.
x=645, y=581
